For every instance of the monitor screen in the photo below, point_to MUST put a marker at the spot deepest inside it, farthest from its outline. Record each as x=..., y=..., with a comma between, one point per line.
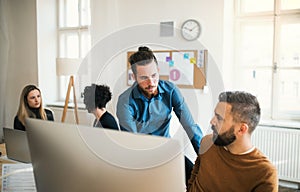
x=68, y=157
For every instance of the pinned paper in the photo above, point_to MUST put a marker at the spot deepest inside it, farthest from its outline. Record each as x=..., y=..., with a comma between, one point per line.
x=174, y=75
x=168, y=59
x=163, y=63
x=171, y=63
x=193, y=60
x=186, y=56
x=205, y=89
x=201, y=58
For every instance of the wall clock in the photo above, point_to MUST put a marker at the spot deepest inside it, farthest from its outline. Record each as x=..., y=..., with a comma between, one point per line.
x=190, y=30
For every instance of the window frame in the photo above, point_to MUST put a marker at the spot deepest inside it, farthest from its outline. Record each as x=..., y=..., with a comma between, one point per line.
x=277, y=16
x=80, y=30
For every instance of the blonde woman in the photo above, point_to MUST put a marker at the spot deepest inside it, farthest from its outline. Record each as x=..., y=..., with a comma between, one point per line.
x=31, y=105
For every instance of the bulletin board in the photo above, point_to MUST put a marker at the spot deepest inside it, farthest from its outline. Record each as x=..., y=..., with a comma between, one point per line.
x=185, y=68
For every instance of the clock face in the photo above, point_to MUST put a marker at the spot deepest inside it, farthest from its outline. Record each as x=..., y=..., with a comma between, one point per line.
x=190, y=30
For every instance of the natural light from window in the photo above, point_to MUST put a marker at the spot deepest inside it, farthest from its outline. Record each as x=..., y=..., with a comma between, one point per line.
x=74, y=39
x=267, y=53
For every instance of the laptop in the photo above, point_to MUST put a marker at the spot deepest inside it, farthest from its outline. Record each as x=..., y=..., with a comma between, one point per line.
x=71, y=157
x=16, y=145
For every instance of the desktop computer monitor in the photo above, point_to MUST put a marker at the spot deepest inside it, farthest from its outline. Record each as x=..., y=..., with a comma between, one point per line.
x=67, y=157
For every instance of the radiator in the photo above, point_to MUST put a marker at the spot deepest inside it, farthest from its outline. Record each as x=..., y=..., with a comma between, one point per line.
x=282, y=147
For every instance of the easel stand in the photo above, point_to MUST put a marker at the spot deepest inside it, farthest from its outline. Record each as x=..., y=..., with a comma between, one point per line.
x=71, y=85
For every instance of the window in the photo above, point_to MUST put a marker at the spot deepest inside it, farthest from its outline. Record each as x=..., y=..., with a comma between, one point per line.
x=267, y=52
x=74, y=39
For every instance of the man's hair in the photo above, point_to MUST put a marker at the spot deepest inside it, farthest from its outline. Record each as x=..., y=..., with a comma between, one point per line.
x=96, y=96
x=143, y=56
x=245, y=107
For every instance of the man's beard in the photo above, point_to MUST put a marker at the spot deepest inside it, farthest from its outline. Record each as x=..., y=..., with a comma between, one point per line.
x=224, y=139
x=146, y=92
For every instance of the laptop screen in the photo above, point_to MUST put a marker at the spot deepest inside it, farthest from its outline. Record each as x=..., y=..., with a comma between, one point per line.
x=69, y=157
x=16, y=145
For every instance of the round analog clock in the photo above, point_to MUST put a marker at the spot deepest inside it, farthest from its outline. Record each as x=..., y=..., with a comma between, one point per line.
x=190, y=30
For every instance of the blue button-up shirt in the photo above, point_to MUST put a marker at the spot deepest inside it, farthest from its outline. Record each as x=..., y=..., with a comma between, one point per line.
x=138, y=114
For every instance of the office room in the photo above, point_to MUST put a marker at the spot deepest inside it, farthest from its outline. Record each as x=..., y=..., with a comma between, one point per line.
x=242, y=45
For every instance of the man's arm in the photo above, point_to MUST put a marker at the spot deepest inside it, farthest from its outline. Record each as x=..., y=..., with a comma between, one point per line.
x=193, y=183
x=269, y=182
x=194, y=174
x=182, y=111
x=125, y=115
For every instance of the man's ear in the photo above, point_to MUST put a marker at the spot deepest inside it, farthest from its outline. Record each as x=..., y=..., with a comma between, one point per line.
x=133, y=76
x=244, y=128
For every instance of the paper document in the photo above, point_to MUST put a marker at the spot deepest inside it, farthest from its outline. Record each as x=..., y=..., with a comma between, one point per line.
x=17, y=177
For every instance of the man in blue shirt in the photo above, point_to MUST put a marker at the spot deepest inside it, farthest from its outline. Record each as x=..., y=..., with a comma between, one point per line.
x=146, y=106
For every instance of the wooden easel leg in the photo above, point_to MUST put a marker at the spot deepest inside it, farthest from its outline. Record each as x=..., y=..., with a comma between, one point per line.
x=67, y=100
x=75, y=103
x=71, y=85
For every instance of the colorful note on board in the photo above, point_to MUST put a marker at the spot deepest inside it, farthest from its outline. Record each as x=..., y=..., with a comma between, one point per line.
x=193, y=60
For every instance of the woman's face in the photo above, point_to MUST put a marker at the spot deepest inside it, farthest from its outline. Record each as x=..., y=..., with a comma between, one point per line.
x=34, y=99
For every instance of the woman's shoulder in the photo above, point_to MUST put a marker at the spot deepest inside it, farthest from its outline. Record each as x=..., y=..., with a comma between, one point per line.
x=48, y=110
x=16, y=118
x=49, y=113
x=109, y=121
x=108, y=115
x=17, y=124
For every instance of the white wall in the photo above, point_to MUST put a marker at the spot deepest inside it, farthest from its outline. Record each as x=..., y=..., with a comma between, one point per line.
x=113, y=20
x=47, y=48
x=108, y=16
x=19, y=64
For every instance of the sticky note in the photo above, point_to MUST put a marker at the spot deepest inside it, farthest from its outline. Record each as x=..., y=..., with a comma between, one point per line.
x=192, y=60
x=186, y=56
x=171, y=63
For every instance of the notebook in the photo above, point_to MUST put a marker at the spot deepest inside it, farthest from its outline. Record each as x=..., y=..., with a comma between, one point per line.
x=16, y=145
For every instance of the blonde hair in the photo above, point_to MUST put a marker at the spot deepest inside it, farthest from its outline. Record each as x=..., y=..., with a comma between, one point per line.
x=24, y=109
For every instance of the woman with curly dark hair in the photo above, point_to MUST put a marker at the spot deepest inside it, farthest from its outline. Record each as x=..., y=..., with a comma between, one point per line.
x=95, y=99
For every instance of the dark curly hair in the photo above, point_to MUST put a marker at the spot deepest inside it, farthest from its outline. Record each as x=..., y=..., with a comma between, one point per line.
x=96, y=96
x=143, y=56
x=245, y=107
